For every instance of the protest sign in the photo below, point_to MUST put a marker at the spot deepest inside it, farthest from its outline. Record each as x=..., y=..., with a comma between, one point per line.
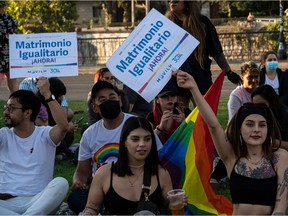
x=145, y=60
x=44, y=54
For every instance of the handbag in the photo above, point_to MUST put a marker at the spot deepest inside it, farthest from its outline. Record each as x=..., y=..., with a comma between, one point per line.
x=144, y=203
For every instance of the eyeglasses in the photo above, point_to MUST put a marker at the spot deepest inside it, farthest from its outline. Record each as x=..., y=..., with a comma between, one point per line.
x=11, y=108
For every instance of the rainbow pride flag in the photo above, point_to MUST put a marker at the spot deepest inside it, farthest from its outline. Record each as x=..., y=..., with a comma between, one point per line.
x=188, y=156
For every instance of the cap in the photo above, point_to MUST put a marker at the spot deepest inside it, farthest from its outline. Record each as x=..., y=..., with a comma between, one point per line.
x=170, y=87
x=101, y=85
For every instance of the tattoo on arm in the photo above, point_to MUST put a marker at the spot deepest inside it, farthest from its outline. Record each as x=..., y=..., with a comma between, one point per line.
x=283, y=186
x=275, y=159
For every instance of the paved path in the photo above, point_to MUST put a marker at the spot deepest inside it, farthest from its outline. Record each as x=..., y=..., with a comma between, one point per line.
x=78, y=87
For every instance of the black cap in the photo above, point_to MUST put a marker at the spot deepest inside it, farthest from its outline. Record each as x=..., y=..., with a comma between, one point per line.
x=170, y=87
x=101, y=85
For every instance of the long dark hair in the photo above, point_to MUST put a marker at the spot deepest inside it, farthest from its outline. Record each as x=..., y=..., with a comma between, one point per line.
x=269, y=94
x=192, y=23
x=233, y=131
x=121, y=167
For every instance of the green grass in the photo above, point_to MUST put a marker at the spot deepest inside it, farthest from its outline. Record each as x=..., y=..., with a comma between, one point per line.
x=66, y=168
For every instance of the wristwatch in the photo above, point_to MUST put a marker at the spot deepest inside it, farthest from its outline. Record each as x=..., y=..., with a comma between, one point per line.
x=51, y=98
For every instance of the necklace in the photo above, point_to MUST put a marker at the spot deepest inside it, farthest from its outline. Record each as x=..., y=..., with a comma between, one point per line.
x=255, y=162
x=134, y=166
x=131, y=182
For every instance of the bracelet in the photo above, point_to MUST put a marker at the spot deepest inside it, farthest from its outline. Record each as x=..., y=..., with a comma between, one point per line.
x=157, y=128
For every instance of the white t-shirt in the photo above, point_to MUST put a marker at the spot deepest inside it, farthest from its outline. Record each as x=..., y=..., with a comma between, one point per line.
x=101, y=144
x=26, y=164
x=237, y=98
x=274, y=83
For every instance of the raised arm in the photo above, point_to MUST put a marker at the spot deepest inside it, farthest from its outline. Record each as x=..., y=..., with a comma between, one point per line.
x=223, y=147
x=58, y=132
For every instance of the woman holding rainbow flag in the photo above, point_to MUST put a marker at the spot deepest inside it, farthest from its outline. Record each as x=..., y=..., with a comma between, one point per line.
x=258, y=172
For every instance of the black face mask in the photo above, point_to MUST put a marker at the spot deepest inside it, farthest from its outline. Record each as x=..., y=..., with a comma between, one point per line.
x=110, y=109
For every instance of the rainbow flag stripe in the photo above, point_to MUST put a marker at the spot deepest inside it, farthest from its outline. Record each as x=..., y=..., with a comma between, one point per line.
x=188, y=156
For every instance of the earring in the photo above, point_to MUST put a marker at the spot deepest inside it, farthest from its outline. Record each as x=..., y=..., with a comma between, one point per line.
x=241, y=140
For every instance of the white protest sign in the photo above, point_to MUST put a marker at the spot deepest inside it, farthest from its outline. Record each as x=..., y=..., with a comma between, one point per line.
x=44, y=54
x=145, y=60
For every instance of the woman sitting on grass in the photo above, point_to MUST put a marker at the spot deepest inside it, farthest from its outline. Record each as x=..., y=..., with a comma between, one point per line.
x=118, y=186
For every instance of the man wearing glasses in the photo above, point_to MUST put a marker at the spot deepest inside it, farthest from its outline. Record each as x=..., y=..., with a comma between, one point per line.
x=27, y=155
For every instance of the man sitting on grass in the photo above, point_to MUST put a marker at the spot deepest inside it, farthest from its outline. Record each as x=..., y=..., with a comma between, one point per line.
x=27, y=155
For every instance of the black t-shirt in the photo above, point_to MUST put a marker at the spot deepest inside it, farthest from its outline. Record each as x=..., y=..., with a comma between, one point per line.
x=141, y=106
x=203, y=76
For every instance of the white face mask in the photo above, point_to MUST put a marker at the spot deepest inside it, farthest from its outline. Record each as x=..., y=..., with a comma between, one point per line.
x=272, y=65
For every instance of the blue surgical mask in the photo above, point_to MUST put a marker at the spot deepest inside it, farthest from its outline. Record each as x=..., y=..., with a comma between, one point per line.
x=272, y=65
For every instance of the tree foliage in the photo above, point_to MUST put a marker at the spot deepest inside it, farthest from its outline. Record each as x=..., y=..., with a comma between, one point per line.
x=240, y=8
x=43, y=16
x=274, y=38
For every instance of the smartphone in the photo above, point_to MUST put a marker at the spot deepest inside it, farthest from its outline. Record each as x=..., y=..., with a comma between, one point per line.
x=175, y=111
x=77, y=122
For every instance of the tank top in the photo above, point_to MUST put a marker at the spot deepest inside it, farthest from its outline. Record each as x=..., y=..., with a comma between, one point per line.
x=248, y=190
x=114, y=204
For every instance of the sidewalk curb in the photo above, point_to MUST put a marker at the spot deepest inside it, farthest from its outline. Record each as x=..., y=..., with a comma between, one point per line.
x=235, y=66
